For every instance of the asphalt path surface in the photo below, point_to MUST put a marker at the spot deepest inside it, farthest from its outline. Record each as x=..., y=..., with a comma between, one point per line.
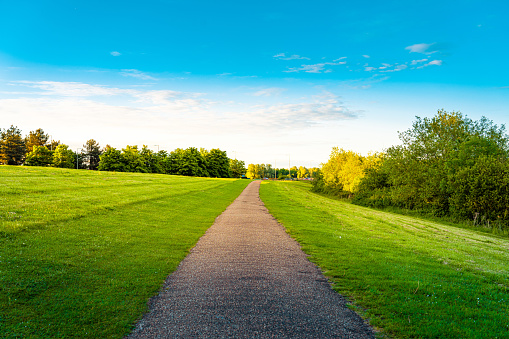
x=246, y=278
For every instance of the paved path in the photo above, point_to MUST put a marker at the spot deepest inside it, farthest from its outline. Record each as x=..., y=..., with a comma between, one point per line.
x=246, y=278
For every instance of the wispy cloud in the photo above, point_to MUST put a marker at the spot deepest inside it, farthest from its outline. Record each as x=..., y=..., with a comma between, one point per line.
x=136, y=74
x=431, y=63
x=71, y=89
x=159, y=98
x=415, y=62
x=282, y=56
x=317, y=68
x=366, y=56
x=267, y=92
x=115, y=53
x=321, y=108
x=422, y=48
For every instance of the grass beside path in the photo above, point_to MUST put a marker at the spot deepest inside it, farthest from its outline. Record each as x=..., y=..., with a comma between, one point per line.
x=81, y=251
x=412, y=278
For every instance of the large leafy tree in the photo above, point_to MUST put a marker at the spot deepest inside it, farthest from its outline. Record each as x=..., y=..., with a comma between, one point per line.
x=238, y=168
x=188, y=162
x=446, y=165
x=91, y=155
x=36, y=138
x=133, y=160
x=111, y=160
x=63, y=157
x=12, y=146
x=39, y=156
x=217, y=162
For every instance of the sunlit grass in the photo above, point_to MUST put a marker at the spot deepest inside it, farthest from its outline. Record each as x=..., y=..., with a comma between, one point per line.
x=81, y=252
x=411, y=277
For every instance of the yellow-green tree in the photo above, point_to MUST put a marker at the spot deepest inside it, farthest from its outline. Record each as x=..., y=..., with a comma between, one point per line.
x=345, y=169
x=303, y=172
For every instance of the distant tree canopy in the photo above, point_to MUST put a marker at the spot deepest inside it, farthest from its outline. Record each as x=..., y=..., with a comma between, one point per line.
x=12, y=146
x=36, y=150
x=447, y=165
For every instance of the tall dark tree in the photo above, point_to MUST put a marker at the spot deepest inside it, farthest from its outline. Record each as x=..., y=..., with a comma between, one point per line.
x=91, y=154
x=12, y=146
x=36, y=138
x=218, y=163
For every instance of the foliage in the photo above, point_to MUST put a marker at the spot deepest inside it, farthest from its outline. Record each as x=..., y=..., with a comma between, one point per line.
x=238, y=168
x=217, y=162
x=36, y=138
x=254, y=171
x=447, y=165
x=189, y=162
x=345, y=170
x=63, y=157
x=12, y=146
x=39, y=156
x=91, y=155
x=410, y=277
x=111, y=160
x=81, y=252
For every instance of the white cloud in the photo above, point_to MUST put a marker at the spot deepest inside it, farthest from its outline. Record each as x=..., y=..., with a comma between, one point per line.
x=115, y=53
x=136, y=74
x=316, y=68
x=415, y=62
x=267, y=92
x=282, y=56
x=431, y=63
x=397, y=68
x=366, y=56
x=72, y=89
x=421, y=48
x=323, y=108
x=435, y=62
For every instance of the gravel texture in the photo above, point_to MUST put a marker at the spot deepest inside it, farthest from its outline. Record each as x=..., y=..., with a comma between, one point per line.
x=246, y=278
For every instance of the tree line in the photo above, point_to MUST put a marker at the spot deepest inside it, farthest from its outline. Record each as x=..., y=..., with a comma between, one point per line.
x=262, y=171
x=36, y=149
x=446, y=166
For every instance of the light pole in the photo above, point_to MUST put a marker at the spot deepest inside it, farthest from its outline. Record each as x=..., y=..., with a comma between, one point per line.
x=157, y=148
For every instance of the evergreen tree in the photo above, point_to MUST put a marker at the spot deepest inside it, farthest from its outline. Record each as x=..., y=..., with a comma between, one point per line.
x=91, y=155
x=12, y=146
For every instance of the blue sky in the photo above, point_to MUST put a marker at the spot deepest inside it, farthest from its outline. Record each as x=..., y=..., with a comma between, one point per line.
x=265, y=81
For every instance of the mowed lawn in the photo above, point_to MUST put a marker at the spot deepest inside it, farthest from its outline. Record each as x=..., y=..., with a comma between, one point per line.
x=81, y=251
x=410, y=277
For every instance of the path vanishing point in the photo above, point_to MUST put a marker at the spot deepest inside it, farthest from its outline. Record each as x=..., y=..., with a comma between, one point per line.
x=246, y=278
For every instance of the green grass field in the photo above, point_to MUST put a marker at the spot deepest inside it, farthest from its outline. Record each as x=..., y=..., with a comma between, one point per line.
x=81, y=251
x=410, y=277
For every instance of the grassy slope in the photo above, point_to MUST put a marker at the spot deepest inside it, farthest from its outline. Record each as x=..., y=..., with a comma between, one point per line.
x=413, y=278
x=81, y=251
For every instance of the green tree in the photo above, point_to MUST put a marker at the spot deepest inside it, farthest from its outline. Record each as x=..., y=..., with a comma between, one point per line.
x=217, y=162
x=12, y=146
x=238, y=168
x=36, y=138
x=91, y=155
x=133, y=161
x=111, y=160
x=63, y=157
x=189, y=162
x=39, y=156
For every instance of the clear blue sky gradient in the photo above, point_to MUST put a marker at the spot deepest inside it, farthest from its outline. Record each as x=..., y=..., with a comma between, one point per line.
x=264, y=80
